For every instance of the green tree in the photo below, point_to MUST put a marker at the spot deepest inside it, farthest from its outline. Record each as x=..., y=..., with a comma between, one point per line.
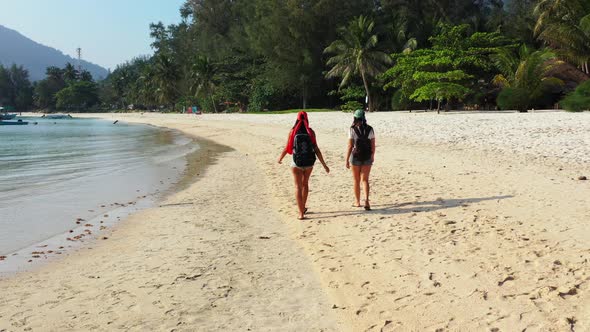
x=519, y=21
x=357, y=53
x=270, y=54
x=287, y=40
x=46, y=89
x=524, y=76
x=4, y=86
x=352, y=96
x=453, y=68
x=165, y=78
x=78, y=96
x=203, y=73
x=578, y=100
x=565, y=26
x=15, y=87
x=86, y=76
x=129, y=84
x=145, y=87
x=70, y=73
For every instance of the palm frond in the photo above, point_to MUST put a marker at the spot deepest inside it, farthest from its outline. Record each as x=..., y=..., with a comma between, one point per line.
x=356, y=51
x=501, y=81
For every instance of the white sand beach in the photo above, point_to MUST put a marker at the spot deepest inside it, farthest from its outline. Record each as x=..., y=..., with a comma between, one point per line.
x=479, y=223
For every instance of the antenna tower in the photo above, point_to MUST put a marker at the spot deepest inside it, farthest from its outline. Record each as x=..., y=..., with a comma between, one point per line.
x=79, y=53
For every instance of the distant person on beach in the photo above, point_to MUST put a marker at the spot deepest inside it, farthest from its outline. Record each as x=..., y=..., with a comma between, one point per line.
x=360, y=155
x=302, y=144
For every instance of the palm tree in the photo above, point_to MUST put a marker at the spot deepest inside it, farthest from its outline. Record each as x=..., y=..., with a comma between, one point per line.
x=166, y=76
x=565, y=26
x=401, y=40
x=146, y=89
x=524, y=77
x=202, y=75
x=70, y=73
x=356, y=53
x=121, y=79
x=54, y=73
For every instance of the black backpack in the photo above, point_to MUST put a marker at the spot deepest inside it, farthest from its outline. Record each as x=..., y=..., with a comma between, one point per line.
x=362, y=144
x=303, y=151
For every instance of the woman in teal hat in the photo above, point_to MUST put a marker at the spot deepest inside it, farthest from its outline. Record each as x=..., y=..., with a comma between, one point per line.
x=360, y=155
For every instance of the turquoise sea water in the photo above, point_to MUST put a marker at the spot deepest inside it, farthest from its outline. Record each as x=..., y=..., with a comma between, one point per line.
x=57, y=171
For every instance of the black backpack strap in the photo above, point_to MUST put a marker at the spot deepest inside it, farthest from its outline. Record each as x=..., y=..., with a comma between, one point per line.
x=357, y=132
x=364, y=134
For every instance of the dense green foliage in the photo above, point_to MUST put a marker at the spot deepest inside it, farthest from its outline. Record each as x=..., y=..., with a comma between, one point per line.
x=352, y=96
x=265, y=55
x=16, y=91
x=356, y=54
x=66, y=89
x=458, y=66
x=78, y=96
x=565, y=26
x=524, y=77
x=579, y=100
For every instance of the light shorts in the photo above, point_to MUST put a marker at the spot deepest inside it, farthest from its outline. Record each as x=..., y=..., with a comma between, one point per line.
x=355, y=162
x=300, y=167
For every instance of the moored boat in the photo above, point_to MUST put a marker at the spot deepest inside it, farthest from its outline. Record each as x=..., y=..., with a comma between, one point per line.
x=7, y=116
x=13, y=123
x=4, y=115
x=57, y=116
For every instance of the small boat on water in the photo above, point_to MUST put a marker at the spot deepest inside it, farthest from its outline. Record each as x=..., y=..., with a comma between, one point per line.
x=4, y=115
x=7, y=116
x=57, y=116
x=13, y=123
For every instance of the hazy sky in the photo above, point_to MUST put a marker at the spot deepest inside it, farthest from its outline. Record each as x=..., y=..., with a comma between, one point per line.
x=108, y=31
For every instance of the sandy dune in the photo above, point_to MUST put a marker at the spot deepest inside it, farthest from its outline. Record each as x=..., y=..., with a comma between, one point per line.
x=479, y=224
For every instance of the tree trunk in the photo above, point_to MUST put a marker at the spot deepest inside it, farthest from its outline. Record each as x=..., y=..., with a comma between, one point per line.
x=366, y=84
x=304, y=96
x=213, y=101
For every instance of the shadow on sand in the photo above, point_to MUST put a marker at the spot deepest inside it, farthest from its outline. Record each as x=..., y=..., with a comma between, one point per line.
x=408, y=207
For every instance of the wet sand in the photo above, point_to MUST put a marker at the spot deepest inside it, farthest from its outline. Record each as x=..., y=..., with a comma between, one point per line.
x=461, y=237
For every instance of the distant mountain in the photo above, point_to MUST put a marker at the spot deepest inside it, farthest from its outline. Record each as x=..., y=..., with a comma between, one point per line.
x=18, y=49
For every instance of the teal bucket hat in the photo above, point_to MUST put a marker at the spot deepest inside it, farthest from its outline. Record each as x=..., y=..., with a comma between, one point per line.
x=359, y=114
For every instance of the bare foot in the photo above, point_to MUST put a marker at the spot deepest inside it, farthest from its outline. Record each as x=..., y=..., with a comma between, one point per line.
x=357, y=204
x=367, y=205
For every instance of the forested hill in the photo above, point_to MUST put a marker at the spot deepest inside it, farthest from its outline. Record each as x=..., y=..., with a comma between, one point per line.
x=18, y=49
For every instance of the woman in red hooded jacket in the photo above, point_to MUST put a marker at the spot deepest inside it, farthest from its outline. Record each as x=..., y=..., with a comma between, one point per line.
x=302, y=144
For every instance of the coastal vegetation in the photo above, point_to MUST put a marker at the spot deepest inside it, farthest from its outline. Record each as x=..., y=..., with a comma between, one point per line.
x=64, y=89
x=16, y=91
x=579, y=99
x=393, y=54
x=260, y=55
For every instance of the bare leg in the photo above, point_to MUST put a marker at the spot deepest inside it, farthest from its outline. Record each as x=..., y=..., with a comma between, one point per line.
x=356, y=176
x=305, y=187
x=365, y=172
x=298, y=177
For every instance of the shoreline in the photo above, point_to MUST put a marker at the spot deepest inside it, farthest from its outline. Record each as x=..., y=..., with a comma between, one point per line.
x=87, y=232
x=459, y=239
x=137, y=277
